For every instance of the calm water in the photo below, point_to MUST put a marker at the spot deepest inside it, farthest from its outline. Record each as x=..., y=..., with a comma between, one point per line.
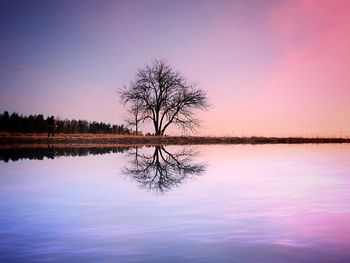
x=243, y=203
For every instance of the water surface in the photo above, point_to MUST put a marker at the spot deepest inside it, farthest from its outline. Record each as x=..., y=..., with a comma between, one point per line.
x=240, y=203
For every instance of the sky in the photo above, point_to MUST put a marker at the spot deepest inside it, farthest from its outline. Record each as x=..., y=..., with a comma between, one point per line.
x=270, y=68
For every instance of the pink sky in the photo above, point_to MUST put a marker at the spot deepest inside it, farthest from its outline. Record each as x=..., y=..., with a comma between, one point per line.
x=307, y=89
x=275, y=68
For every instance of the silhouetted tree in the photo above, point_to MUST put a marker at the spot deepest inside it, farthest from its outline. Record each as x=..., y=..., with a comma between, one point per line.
x=4, y=121
x=134, y=118
x=164, y=97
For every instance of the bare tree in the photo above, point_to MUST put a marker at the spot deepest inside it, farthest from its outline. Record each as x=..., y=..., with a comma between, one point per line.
x=164, y=97
x=134, y=117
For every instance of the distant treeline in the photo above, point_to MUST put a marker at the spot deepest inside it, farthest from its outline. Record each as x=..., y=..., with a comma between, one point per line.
x=39, y=124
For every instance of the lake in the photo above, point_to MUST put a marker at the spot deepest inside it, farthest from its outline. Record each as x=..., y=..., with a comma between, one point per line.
x=211, y=203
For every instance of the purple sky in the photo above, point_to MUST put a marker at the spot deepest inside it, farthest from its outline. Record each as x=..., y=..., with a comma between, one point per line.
x=269, y=67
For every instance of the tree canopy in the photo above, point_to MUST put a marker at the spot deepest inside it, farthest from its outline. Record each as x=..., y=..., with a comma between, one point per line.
x=163, y=96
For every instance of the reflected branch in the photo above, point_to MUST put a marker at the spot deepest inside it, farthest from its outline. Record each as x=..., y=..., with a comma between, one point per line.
x=163, y=170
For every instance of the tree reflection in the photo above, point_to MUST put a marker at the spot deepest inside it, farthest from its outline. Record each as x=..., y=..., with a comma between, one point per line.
x=163, y=170
x=50, y=151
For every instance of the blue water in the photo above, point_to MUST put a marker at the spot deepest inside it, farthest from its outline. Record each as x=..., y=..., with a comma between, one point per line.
x=242, y=203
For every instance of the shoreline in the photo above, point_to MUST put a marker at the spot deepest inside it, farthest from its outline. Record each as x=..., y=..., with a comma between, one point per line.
x=96, y=140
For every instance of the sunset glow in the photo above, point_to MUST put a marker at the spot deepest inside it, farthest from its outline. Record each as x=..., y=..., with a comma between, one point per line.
x=270, y=68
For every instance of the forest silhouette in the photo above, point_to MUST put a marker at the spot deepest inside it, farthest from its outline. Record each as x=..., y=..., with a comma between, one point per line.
x=38, y=124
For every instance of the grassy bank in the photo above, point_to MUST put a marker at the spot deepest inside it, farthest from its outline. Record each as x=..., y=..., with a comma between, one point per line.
x=105, y=139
